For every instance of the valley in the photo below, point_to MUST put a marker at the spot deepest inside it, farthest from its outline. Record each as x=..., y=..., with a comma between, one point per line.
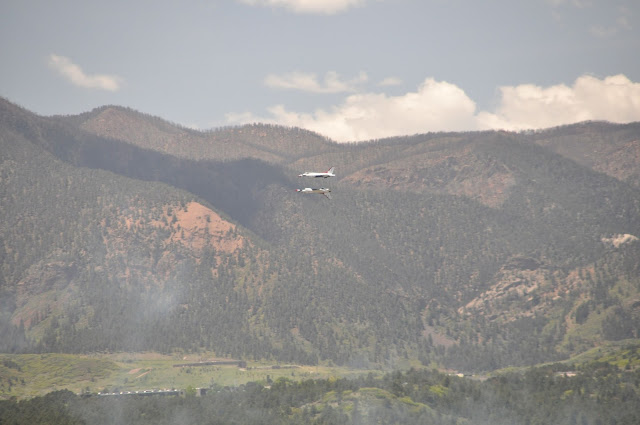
x=25, y=376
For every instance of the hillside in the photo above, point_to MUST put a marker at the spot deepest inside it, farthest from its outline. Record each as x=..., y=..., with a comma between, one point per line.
x=268, y=143
x=617, y=154
x=612, y=149
x=121, y=231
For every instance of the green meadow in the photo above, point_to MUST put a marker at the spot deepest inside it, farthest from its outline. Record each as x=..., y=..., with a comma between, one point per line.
x=29, y=375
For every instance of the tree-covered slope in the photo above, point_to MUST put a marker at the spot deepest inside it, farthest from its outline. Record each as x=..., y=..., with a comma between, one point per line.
x=269, y=143
x=91, y=259
x=475, y=250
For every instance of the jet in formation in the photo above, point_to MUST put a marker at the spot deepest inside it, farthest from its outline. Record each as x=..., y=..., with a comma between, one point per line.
x=325, y=191
x=325, y=175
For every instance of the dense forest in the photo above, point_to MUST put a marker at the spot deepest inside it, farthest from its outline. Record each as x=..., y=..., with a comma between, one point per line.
x=473, y=251
x=595, y=394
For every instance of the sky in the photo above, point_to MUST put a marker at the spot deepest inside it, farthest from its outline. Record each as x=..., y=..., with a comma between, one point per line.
x=350, y=70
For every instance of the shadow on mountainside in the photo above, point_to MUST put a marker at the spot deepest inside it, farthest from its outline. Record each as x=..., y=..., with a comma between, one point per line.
x=234, y=187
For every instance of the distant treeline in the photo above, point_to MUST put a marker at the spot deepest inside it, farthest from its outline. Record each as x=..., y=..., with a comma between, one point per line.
x=597, y=394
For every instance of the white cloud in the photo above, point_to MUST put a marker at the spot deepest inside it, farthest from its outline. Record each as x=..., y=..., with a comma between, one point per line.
x=610, y=21
x=77, y=76
x=435, y=106
x=621, y=24
x=442, y=106
x=323, y=7
x=615, y=99
x=390, y=81
x=309, y=82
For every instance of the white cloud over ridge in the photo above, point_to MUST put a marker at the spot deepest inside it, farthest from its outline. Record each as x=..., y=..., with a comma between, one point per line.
x=442, y=106
x=322, y=7
x=435, y=106
x=78, y=77
x=309, y=82
x=615, y=99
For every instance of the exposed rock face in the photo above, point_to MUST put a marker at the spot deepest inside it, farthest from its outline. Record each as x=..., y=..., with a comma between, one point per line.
x=197, y=226
x=49, y=285
x=618, y=240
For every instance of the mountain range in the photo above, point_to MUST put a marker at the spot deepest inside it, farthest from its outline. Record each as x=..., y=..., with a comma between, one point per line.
x=475, y=251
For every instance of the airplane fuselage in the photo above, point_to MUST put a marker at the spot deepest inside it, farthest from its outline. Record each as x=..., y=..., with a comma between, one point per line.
x=310, y=174
x=314, y=174
x=312, y=190
x=323, y=190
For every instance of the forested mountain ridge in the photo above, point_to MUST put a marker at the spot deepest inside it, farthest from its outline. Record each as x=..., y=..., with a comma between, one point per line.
x=617, y=154
x=476, y=250
x=268, y=143
x=609, y=148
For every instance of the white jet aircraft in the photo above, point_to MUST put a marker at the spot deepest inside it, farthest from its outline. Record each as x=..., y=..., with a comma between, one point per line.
x=325, y=191
x=323, y=175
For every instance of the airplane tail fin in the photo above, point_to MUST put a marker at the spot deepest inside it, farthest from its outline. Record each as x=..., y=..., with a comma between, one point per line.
x=327, y=194
x=331, y=170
